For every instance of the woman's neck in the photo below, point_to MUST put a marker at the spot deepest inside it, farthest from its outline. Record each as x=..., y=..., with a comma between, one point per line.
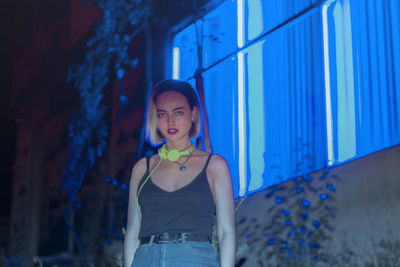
x=179, y=145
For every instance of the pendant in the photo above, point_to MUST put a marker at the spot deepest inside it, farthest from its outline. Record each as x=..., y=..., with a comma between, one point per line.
x=182, y=168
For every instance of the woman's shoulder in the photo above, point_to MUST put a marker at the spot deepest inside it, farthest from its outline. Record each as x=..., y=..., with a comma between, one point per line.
x=139, y=168
x=217, y=162
x=217, y=159
x=218, y=168
x=140, y=164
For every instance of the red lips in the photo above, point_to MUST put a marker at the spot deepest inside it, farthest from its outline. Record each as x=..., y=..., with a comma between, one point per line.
x=172, y=131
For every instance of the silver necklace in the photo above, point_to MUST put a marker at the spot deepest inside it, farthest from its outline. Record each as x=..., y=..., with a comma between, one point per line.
x=182, y=166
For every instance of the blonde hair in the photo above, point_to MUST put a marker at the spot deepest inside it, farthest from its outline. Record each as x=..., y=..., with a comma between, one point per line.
x=153, y=135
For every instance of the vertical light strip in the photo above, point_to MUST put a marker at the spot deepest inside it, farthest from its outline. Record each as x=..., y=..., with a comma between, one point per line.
x=328, y=104
x=256, y=134
x=175, y=60
x=255, y=19
x=242, y=126
x=241, y=99
x=346, y=140
x=240, y=23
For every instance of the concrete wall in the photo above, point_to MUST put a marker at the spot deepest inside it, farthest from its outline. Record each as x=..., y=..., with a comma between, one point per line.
x=361, y=228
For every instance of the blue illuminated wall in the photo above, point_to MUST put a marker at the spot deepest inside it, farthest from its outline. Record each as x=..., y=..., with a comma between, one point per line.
x=362, y=56
x=295, y=86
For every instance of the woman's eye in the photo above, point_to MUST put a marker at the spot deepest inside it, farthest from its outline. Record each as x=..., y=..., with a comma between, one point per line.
x=160, y=115
x=179, y=113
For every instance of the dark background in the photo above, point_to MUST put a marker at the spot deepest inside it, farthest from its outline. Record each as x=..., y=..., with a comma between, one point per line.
x=8, y=124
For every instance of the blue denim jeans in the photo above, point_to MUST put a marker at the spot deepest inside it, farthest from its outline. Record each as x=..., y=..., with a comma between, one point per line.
x=186, y=254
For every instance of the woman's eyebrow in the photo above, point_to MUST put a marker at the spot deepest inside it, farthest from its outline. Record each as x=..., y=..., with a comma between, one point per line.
x=175, y=109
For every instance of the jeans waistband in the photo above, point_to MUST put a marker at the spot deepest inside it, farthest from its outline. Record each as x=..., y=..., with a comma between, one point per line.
x=162, y=238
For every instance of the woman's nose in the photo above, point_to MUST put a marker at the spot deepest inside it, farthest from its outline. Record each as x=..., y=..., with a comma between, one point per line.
x=171, y=119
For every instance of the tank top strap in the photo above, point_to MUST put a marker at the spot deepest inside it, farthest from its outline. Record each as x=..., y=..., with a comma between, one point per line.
x=208, y=160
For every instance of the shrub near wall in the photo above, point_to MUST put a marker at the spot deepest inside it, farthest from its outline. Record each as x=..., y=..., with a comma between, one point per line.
x=294, y=226
x=342, y=216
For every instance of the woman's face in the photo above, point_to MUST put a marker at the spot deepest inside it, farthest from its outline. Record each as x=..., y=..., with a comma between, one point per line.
x=174, y=115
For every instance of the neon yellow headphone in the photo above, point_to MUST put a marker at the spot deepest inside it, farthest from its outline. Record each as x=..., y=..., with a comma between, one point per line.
x=173, y=154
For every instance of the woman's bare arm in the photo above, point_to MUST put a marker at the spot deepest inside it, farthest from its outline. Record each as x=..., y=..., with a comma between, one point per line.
x=131, y=241
x=222, y=182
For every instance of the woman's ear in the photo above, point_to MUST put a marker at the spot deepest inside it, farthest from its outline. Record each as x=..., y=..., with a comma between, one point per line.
x=194, y=113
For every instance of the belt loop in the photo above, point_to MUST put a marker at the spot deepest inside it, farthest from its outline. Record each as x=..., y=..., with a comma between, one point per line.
x=151, y=240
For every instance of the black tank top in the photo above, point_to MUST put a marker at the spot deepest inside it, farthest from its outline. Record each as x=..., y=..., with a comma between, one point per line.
x=190, y=209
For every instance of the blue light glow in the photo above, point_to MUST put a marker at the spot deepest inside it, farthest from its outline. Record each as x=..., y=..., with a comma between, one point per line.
x=346, y=140
x=309, y=93
x=185, y=58
x=256, y=135
x=328, y=104
x=220, y=33
x=176, y=60
x=271, y=241
x=316, y=223
x=304, y=215
x=331, y=187
x=255, y=19
x=286, y=212
x=278, y=200
x=242, y=125
x=240, y=24
x=323, y=196
x=221, y=98
x=299, y=190
x=306, y=203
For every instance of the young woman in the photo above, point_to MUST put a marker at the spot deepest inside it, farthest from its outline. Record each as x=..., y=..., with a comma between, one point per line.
x=175, y=194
